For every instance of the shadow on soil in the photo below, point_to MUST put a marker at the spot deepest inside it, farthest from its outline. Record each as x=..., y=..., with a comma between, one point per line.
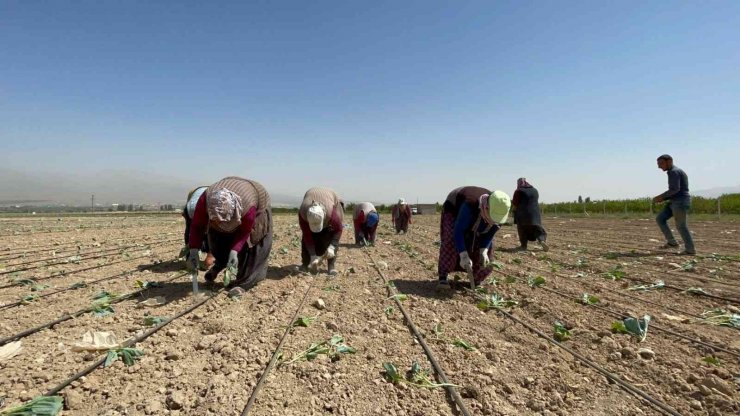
x=164, y=267
x=426, y=289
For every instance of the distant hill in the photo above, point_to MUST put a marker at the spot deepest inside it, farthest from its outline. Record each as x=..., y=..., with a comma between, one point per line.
x=715, y=192
x=109, y=187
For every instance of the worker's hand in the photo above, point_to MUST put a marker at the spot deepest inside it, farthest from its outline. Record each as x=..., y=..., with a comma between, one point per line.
x=330, y=252
x=233, y=260
x=484, y=260
x=465, y=261
x=193, y=259
x=314, y=264
x=658, y=199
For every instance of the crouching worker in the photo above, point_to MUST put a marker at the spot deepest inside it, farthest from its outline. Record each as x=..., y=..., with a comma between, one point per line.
x=237, y=214
x=366, y=221
x=470, y=218
x=321, y=219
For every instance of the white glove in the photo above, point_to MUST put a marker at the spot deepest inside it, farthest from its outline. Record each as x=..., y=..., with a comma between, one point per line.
x=233, y=259
x=330, y=252
x=193, y=259
x=465, y=261
x=484, y=260
x=314, y=264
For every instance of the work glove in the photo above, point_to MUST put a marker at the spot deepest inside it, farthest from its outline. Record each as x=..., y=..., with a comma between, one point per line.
x=193, y=259
x=233, y=261
x=330, y=252
x=314, y=264
x=484, y=260
x=465, y=261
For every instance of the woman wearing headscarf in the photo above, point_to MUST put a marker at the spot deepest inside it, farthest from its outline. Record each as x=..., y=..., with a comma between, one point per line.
x=366, y=221
x=321, y=219
x=470, y=218
x=401, y=216
x=237, y=214
x=527, y=217
x=188, y=212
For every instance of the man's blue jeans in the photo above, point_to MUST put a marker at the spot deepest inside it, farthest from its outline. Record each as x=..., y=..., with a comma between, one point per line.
x=680, y=210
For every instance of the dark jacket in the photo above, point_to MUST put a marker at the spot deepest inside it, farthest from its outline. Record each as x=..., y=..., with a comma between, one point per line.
x=527, y=206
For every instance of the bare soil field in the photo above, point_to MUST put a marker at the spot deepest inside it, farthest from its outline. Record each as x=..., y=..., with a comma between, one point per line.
x=216, y=353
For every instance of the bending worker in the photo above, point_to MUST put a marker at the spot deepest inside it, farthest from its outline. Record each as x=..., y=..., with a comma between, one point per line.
x=321, y=219
x=366, y=221
x=401, y=216
x=527, y=216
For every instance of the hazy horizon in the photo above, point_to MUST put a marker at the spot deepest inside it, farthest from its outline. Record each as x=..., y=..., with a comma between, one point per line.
x=378, y=101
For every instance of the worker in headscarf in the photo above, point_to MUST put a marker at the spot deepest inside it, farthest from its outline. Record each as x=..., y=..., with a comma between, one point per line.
x=366, y=221
x=321, y=219
x=188, y=212
x=471, y=216
x=526, y=207
x=237, y=214
x=401, y=216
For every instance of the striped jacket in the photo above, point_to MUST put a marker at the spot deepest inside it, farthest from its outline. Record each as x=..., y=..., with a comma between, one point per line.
x=333, y=218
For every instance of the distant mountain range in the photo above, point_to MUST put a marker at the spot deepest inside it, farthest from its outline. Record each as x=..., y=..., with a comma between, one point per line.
x=109, y=187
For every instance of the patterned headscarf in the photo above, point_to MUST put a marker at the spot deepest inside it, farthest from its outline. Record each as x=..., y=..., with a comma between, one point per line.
x=225, y=207
x=484, y=212
x=522, y=183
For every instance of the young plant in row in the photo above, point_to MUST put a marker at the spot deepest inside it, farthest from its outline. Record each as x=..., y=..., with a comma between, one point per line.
x=416, y=376
x=657, y=285
x=334, y=347
x=495, y=301
x=721, y=317
x=39, y=406
x=561, y=333
x=633, y=326
x=616, y=273
x=536, y=281
x=587, y=299
x=464, y=345
x=129, y=356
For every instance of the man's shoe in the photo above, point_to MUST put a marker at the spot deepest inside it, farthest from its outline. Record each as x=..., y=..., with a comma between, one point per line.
x=443, y=286
x=667, y=246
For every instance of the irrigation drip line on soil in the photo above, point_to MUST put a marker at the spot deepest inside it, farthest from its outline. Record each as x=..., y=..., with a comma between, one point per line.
x=452, y=393
x=65, y=246
x=72, y=315
x=67, y=261
x=276, y=353
x=610, y=290
x=84, y=269
x=669, y=286
x=625, y=385
x=106, y=250
x=61, y=386
x=619, y=315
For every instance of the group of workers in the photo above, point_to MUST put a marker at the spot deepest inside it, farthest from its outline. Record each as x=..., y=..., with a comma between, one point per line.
x=231, y=220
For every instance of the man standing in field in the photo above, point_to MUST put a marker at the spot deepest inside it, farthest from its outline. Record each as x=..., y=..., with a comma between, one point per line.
x=401, y=216
x=366, y=221
x=321, y=219
x=678, y=204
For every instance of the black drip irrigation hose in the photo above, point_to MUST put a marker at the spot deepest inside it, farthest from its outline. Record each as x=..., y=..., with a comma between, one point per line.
x=84, y=269
x=104, y=250
x=276, y=353
x=64, y=247
x=107, y=252
x=625, y=385
x=72, y=315
x=636, y=298
x=130, y=343
x=621, y=316
x=453, y=394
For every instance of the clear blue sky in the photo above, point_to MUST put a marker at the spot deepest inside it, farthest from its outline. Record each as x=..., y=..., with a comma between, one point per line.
x=376, y=99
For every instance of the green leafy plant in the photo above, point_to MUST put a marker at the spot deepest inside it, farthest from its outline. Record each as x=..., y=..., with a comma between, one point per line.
x=230, y=275
x=417, y=376
x=581, y=262
x=143, y=284
x=587, y=299
x=611, y=256
x=561, y=332
x=25, y=282
x=39, y=406
x=536, y=281
x=721, y=317
x=303, y=321
x=399, y=296
x=29, y=298
x=616, y=273
x=388, y=311
x=516, y=260
x=438, y=330
x=39, y=287
x=689, y=266
x=78, y=285
x=710, y=359
x=657, y=285
x=696, y=291
x=510, y=279
x=619, y=328
x=497, y=265
x=495, y=301
x=332, y=288
x=463, y=344
x=334, y=347
x=391, y=374
x=129, y=356
x=633, y=326
x=153, y=320
x=101, y=309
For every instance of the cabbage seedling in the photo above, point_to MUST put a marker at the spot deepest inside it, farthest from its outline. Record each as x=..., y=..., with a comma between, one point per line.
x=39, y=406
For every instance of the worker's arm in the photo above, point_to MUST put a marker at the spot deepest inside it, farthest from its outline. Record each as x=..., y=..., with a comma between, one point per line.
x=462, y=224
x=336, y=225
x=358, y=224
x=486, y=239
x=409, y=213
x=307, y=236
x=245, y=229
x=674, y=185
